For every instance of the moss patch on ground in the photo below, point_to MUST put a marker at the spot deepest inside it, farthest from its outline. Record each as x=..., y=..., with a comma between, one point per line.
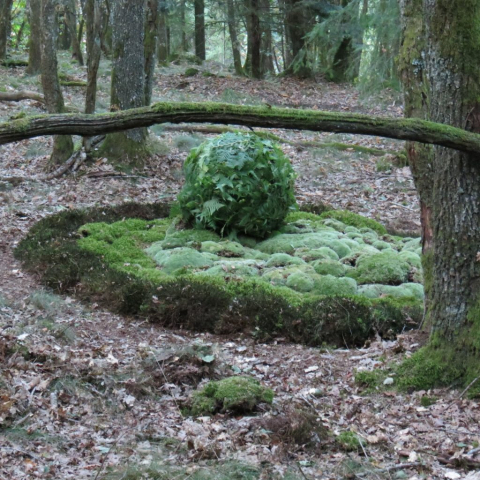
x=136, y=260
x=238, y=394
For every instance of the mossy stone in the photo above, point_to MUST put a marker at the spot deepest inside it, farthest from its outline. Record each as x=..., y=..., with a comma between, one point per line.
x=412, y=258
x=275, y=276
x=283, y=259
x=183, y=257
x=191, y=72
x=224, y=248
x=229, y=269
x=330, y=285
x=300, y=282
x=385, y=268
x=354, y=220
x=329, y=267
x=189, y=237
x=381, y=245
x=239, y=394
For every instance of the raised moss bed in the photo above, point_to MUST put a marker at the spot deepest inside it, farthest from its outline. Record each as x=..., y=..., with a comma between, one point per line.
x=301, y=283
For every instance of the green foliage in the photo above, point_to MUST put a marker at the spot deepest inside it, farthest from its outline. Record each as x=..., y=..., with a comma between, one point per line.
x=348, y=441
x=355, y=220
x=230, y=394
x=238, y=183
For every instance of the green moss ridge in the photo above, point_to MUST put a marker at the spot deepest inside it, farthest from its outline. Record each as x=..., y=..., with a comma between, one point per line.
x=238, y=394
x=354, y=220
x=100, y=253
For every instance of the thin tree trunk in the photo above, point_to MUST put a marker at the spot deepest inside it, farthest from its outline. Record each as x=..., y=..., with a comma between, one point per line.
x=151, y=33
x=63, y=144
x=5, y=27
x=232, y=28
x=162, y=50
x=255, y=38
x=128, y=79
x=266, y=50
x=200, y=29
x=35, y=40
x=183, y=26
x=71, y=21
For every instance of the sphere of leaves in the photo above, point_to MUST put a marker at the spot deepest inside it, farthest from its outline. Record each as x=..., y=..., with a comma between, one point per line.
x=238, y=183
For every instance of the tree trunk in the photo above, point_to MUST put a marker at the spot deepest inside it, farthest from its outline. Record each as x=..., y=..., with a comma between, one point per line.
x=266, y=50
x=128, y=79
x=416, y=94
x=183, y=26
x=162, y=50
x=296, y=22
x=71, y=22
x=254, y=33
x=35, y=40
x=314, y=120
x=5, y=27
x=151, y=33
x=106, y=33
x=200, y=29
x=452, y=355
x=232, y=28
x=93, y=19
x=63, y=144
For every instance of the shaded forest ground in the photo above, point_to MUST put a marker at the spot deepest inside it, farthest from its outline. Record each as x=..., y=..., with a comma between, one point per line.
x=85, y=393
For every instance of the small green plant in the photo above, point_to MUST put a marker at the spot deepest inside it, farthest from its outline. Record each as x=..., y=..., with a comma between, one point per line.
x=426, y=401
x=349, y=441
x=238, y=183
x=232, y=393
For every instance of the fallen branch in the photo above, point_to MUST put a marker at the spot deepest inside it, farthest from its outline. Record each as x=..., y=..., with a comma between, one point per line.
x=22, y=95
x=87, y=125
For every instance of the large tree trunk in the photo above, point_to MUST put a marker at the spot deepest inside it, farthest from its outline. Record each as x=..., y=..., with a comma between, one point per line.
x=416, y=94
x=35, y=40
x=5, y=27
x=453, y=49
x=232, y=28
x=297, y=25
x=266, y=50
x=63, y=144
x=128, y=79
x=200, y=29
x=151, y=32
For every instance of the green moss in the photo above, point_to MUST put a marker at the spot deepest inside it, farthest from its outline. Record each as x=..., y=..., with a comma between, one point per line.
x=330, y=285
x=386, y=268
x=354, y=220
x=323, y=253
x=283, y=259
x=348, y=441
x=122, y=150
x=234, y=393
x=188, y=237
x=107, y=266
x=191, y=72
x=427, y=401
x=370, y=379
x=300, y=282
x=329, y=267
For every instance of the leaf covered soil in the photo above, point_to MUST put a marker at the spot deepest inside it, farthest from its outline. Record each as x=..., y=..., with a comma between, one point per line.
x=85, y=393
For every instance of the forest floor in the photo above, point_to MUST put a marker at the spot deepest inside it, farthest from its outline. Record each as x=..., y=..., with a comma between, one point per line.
x=78, y=398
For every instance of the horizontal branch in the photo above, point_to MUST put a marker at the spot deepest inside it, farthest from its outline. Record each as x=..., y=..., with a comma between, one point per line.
x=88, y=125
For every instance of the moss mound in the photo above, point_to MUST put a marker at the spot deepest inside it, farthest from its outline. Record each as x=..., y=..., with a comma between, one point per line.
x=387, y=268
x=137, y=261
x=238, y=394
x=238, y=182
x=354, y=220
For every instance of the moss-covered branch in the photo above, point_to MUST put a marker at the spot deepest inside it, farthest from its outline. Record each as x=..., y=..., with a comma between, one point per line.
x=88, y=125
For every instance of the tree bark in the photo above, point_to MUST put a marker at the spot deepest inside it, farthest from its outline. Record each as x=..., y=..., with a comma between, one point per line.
x=416, y=93
x=200, y=29
x=35, y=40
x=63, y=144
x=151, y=32
x=70, y=13
x=266, y=50
x=254, y=33
x=232, y=28
x=5, y=20
x=313, y=120
x=128, y=79
x=162, y=50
